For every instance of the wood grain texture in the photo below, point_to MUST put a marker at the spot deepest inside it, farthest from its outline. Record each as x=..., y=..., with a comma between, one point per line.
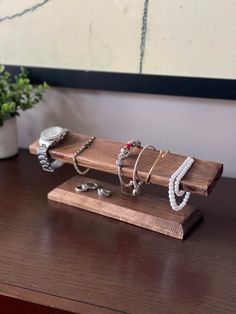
x=146, y=211
x=102, y=155
x=69, y=259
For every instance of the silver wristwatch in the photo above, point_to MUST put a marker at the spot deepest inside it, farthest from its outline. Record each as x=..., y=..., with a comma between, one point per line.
x=50, y=137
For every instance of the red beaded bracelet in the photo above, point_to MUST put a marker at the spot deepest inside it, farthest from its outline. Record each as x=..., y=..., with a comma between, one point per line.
x=124, y=153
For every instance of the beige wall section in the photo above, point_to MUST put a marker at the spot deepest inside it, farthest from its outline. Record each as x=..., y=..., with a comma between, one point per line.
x=191, y=38
x=77, y=34
x=198, y=127
x=184, y=37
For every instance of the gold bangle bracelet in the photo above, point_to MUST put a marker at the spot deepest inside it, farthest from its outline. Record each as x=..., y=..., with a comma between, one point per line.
x=161, y=154
x=137, y=185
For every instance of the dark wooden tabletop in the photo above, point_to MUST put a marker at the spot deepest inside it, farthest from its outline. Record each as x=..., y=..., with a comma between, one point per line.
x=58, y=257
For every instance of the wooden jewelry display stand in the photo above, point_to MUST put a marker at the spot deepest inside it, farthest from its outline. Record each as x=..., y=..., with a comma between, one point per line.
x=150, y=212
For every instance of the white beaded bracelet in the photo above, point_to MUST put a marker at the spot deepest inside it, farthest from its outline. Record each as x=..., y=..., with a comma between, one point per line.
x=174, y=185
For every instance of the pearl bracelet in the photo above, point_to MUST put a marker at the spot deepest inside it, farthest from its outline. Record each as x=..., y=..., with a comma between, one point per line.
x=174, y=183
x=124, y=153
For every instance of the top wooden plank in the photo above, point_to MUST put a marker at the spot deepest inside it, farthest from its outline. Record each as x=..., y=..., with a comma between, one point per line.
x=102, y=155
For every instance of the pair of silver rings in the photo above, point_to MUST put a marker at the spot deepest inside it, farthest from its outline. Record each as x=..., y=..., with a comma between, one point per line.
x=92, y=186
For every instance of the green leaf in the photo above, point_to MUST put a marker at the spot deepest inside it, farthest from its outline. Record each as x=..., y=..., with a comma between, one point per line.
x=12, y=107
x=18, y=93
x=2, y=68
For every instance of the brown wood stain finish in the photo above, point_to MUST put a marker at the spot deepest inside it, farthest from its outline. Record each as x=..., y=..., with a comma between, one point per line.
x=146, y=211
x=73, y=260
x=102, y=155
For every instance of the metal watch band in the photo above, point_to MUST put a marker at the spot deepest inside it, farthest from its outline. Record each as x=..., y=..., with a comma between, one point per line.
x=47, y=163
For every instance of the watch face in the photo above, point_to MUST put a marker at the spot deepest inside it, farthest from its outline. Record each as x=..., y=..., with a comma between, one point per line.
x=51, y=133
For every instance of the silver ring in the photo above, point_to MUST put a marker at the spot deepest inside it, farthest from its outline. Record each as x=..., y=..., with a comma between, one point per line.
x=81, y=188
x=103, y=192
x=92, y=185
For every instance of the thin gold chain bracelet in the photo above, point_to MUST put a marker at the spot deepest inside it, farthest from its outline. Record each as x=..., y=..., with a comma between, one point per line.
x=81, y=149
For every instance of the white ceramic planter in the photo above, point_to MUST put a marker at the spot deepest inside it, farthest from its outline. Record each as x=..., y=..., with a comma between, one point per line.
x=8, y=139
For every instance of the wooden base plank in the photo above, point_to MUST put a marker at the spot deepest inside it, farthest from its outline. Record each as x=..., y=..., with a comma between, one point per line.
x=146, y=211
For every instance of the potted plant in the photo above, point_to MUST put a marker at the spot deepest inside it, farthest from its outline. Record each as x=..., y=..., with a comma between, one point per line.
x=16, y=93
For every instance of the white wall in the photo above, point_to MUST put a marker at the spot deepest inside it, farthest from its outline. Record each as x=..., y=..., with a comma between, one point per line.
x=201, y=128
x=193, y=38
